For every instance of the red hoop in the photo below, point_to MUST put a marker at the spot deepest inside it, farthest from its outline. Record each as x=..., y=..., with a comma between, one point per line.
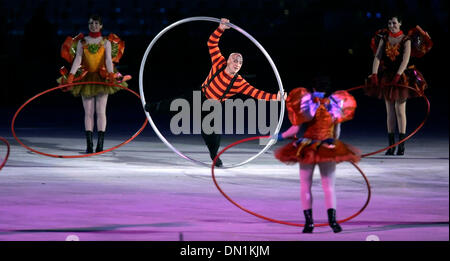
x=74, y=156
x=276, y=220
x=7, y=152
x=421, y=94
x=356, y=166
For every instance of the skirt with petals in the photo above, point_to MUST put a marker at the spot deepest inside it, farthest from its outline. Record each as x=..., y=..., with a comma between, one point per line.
x=315, y=153
x=385, y=90
x=90, y=90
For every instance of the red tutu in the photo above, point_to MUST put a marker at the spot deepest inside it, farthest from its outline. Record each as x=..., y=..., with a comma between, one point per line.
x=311, y=154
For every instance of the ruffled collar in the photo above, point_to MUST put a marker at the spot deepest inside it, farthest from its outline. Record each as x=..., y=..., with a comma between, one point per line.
x=396, y=35
x=95, y=35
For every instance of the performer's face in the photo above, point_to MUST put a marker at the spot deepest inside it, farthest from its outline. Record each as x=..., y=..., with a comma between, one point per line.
x=394, y=25
x=234, y=62
x=95, y=26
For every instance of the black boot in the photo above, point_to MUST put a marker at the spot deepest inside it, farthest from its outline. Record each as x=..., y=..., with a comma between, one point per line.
x=101, y=137
x=391, y=142
x=212, y=141
x=401, y=146
x=332, y=220
x=309, y=223
x=219, y=163
x=89, y=143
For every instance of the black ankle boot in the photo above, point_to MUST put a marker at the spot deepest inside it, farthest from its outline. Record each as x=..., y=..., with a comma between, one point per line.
x=101, y=138
x=219, y=163
x=332, y=220
x=309, y=223
x=89, y=143
x=391, y=137
x=401, y=146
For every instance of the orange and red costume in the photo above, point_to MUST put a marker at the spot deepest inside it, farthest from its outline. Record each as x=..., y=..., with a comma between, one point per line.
x=320, y=114
x=390, y=60
x=216, y=88
x=93, y=68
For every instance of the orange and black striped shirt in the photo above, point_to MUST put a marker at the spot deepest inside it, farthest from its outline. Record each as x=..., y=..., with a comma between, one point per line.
x=219, y=84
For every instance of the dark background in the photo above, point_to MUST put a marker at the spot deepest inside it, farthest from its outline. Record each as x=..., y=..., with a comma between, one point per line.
x=302, y=37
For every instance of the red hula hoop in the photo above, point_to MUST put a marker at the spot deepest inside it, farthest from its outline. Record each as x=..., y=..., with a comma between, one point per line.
x=421, y=94
x=356, y=166
x=7, y=152
x=74, y=156
x=276, y=220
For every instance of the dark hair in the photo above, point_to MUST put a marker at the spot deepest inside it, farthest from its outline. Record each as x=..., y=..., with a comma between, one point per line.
x=96, y=17
x=320, y=83
x=399, y=17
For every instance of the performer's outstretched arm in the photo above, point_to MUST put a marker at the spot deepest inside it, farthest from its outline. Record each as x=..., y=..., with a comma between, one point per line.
x=213, y=46
x=291, y=132
x=245, y=88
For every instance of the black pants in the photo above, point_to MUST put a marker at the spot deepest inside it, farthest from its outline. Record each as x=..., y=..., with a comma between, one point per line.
x=212, y=140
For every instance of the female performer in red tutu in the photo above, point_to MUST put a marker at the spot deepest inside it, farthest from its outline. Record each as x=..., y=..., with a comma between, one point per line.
x=390, y=69
x=92, y=60
x=320, y=145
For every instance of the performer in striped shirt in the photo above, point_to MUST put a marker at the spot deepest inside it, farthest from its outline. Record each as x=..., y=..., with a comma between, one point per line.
x=223, y=82
x=219, y=87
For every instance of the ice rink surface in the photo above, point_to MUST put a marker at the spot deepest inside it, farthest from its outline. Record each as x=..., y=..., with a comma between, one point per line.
x=145, y=192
